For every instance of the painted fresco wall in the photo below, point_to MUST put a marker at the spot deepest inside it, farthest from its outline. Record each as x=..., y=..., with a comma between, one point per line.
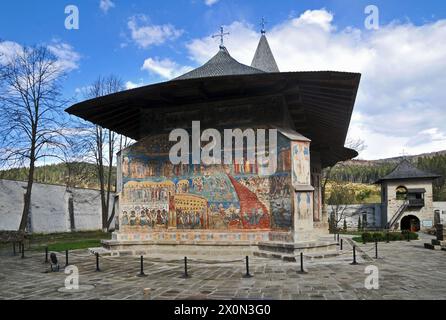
x=157, y=195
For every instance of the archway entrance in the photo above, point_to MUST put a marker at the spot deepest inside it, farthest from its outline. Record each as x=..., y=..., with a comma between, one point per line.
x=411, y=223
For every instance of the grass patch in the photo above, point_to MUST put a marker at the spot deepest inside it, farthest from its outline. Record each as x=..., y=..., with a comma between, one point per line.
x=63, y=241
x=63, y=246
x=68, y=236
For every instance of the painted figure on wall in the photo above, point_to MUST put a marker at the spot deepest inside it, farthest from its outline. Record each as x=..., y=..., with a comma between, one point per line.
x=301, y=163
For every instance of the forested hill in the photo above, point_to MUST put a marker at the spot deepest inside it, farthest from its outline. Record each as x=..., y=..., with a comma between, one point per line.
x=76, y=174
x=368, y=171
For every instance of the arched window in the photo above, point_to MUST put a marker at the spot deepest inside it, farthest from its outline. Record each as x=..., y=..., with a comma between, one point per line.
x=401, y=193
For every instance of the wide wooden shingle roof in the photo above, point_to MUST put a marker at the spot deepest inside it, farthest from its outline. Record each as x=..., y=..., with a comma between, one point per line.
x=320, y=104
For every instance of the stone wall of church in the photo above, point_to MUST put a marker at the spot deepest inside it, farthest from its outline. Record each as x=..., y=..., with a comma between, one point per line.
x=157, y=196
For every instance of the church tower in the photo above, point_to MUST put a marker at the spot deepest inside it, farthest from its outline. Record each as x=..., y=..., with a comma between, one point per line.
x=264, y=58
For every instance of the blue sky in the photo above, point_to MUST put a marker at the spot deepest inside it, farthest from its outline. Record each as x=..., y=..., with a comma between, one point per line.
x=150, y=41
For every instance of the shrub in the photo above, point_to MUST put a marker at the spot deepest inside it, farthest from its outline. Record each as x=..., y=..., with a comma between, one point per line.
x=382, y=236
x=378, y=236
x=366, y=237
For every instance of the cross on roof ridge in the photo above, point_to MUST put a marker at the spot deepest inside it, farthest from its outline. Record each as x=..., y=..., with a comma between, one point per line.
x=221, y=35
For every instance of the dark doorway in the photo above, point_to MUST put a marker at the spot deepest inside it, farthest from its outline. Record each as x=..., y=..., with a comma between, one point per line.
x=411, y=223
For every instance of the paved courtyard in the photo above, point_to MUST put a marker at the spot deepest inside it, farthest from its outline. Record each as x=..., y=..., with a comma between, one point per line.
x=406, y=271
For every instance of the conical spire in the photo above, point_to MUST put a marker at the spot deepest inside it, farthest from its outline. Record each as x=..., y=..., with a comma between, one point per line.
x=264, y=58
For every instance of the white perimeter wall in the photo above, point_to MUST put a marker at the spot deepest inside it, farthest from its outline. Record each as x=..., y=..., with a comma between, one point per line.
x=49, y=210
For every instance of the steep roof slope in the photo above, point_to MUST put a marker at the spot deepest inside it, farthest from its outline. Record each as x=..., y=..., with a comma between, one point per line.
x=264, y=58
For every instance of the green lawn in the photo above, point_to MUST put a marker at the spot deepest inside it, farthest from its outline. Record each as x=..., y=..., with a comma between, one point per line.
x=64, y=241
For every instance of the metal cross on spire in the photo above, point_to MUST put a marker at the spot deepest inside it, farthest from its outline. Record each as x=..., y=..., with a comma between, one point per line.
x=263, y=23
x=221, y=35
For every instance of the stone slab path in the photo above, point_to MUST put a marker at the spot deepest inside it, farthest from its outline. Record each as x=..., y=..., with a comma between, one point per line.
x=406, y=271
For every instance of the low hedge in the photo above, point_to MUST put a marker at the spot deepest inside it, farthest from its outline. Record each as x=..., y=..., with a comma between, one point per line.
x=382, y=236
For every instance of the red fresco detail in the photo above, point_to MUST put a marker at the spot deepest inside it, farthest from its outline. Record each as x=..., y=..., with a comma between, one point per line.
x=248, y=202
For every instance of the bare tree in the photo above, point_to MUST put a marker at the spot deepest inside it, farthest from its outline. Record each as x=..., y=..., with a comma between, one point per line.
x=101, y=144
x=356, y=144
x=31, y=113
x=341, y=196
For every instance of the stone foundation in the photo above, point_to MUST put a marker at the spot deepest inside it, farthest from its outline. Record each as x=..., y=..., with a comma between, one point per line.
x=213, y=245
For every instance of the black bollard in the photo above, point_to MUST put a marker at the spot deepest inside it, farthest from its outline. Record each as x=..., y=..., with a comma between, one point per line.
x=66, y=258
x=247, y=275
x=408, y=237
x=186, y=274
x=342, y=243
x=354, y=256
x=141, y=272
x=46, y=255
x=376, y=249
x=97, y=262
x=23, y=250
x=388, y=237
x=13, y=248
x=338, y=238
x=302, y=270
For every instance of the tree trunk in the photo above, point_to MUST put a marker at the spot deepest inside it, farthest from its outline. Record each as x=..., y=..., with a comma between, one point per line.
x=101, y=176
x=109, y=174
x=27, y=204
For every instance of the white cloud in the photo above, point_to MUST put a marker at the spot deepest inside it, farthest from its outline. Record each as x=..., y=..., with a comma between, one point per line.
x=106, y=5
x=210, y=2
x=165, y=68
x=67, y=57
x=146, y=35
x=400, y=103
x=8, y=49
x=132, y=85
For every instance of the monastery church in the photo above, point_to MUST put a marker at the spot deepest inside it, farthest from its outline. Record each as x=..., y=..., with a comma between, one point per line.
x=220, y=209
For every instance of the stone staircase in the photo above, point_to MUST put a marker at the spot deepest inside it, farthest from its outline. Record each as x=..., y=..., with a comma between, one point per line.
x=290, y=252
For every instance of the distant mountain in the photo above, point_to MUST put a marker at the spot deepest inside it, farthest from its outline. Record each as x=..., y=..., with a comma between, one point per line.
x=75, y=174
x=395, y=160
x=369, y=171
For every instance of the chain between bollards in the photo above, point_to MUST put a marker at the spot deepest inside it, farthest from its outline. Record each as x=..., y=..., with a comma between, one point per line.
x=247, y=275
x=97, y=262
x=354, y=256
x=141, y=273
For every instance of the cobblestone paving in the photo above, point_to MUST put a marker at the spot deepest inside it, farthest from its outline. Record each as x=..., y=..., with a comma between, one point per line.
x=407, y=271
